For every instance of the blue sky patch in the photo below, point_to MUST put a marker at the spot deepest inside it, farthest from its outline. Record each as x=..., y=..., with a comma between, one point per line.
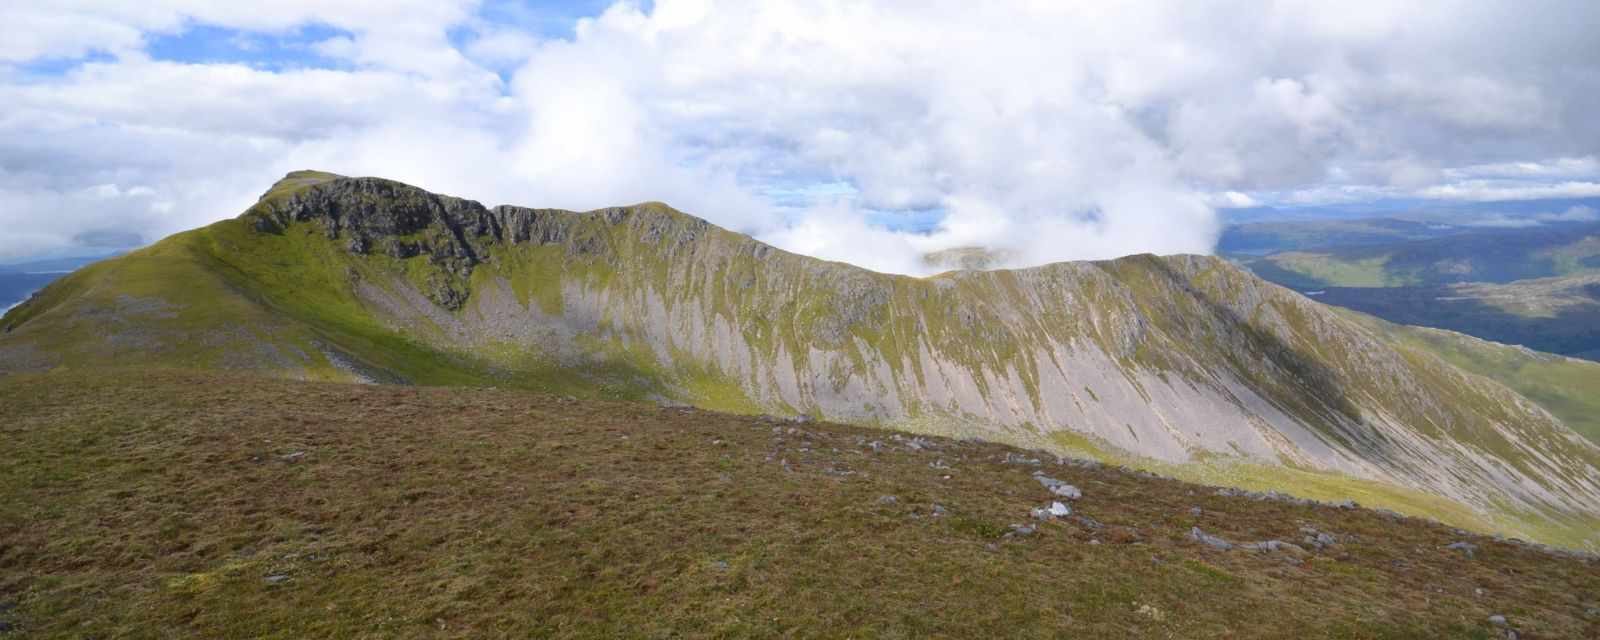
x=206, y=44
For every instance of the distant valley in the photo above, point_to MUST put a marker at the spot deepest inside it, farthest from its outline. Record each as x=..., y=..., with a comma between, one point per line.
x=1536, y=285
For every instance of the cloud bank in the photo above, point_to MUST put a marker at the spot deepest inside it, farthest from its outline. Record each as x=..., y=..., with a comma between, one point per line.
x=869, y=133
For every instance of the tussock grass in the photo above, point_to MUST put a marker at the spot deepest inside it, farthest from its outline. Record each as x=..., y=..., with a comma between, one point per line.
x=155, y=503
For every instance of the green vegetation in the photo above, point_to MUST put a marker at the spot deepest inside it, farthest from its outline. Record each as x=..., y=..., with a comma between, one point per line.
x=155, y=503
x=1567, y=388
x=1321, y=269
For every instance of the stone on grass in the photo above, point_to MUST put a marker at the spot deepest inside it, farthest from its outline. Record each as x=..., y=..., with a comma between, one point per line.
x=1204, y=538
x=888, y=500
x=1058, y=487
x=1059, y=510
x=1497, y=620
x=1277, y=545
x=1464, y=547
x=277, y=579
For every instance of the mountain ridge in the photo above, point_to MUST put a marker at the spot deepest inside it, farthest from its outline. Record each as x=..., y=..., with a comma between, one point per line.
x=1179, y=359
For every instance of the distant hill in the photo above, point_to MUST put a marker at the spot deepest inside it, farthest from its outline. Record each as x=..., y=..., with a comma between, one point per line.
x=1185, y=363
x=1265, y=238
x=1554, y=315
x=1497, y=256
x=1536, y=286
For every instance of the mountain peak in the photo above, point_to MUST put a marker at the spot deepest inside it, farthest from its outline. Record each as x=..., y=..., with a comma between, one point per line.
x=295, y=181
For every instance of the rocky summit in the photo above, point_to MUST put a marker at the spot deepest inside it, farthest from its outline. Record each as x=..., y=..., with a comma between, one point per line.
x=1184, y=364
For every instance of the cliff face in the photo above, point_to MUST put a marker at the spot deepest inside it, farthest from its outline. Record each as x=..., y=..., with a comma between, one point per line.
x=1173, y=358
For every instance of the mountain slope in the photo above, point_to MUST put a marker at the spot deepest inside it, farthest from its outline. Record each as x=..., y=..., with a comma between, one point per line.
x=1179, y=359
x=1567, y=387
x=140, y=503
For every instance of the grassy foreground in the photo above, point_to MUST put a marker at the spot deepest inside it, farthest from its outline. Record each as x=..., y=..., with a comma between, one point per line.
x=174, y=504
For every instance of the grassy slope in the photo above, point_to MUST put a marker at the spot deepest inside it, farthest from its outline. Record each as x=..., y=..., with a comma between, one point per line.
x=1566, y=387
x=157, y=504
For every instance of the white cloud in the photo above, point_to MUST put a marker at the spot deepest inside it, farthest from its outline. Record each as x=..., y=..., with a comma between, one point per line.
x=1053, y=130
x=1485, y=190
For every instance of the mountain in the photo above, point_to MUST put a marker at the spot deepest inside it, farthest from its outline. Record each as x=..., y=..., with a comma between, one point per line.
x=148, y=503
x=1535, y=286
x=1568, y=387
x=1265, y=238
x=1558, y=315
x=1496, y=255
x=1189, y=362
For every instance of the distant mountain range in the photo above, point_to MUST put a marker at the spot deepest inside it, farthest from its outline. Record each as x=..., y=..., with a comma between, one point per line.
x=1186, y=361
x=1537, y=286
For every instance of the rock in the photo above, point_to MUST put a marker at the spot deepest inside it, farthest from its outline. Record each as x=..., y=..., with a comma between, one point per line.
x=1058, y=487
x=1204, y=538
x=1318, y=539
x=293, y=457
x=1277, y=545
x=1464, y=547
x=939, y=510
x=802, y=419
x=720, y=565
x=1152, y=613
x=1196, y=511
x=1055, y=510
x=1592, y=612
x=1497, y=620
x=1347, y=504
x=1012, y=458
x=1088, y=522
x=277, y=579
x=888, y=500
x=1022, y=530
